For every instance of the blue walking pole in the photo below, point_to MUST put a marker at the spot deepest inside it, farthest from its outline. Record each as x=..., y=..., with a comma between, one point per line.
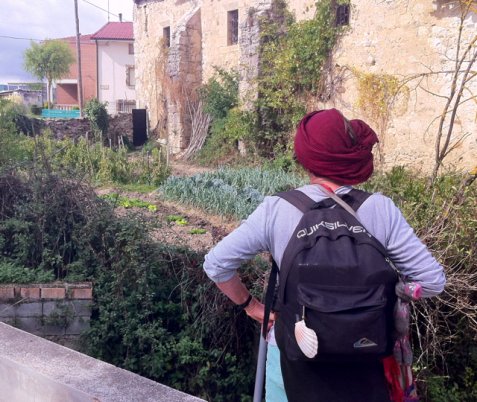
x=260, y=373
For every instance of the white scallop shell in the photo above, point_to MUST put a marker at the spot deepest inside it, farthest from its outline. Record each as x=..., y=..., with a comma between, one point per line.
x=306, y=339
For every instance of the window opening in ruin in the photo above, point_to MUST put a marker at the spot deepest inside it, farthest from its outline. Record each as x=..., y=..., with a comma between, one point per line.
x=130, y=77
x=342, y=14
x=232, y=27
x=166, y=34
x=131, y=48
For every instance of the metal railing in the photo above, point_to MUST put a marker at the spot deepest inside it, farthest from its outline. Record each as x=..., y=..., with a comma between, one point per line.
x=65, y=107
x=125, y=105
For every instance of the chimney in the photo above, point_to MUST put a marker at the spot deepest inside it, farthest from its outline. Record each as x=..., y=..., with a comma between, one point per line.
x=120, y=17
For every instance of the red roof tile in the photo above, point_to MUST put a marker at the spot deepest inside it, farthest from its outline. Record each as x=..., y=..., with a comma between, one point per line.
x=115, y=31
x=83, y=38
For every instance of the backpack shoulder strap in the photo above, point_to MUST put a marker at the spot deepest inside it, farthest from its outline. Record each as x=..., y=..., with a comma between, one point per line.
x=355, y=198
x=297, y=199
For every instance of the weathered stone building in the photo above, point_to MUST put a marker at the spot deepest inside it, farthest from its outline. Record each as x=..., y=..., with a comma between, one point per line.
x=179, y=42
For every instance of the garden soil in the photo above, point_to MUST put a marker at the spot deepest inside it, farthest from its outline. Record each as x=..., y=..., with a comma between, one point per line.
x=171, y=232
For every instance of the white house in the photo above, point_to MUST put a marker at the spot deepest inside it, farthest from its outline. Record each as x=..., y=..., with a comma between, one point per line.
x=115, y=61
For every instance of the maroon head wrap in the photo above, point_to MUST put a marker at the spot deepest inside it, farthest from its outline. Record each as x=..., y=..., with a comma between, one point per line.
x=330, y=146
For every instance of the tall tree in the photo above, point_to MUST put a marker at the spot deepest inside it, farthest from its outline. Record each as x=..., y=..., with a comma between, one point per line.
x=50, y=60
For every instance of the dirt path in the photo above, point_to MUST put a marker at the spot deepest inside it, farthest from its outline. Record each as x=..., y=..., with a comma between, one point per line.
x=181, y=168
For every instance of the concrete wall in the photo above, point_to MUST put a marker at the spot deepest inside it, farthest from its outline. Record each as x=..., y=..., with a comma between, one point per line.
x=113, y=61
x=34, y=369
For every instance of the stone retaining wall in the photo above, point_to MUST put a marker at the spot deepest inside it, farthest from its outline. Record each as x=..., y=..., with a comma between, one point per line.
x=119, y=126
x=60, y=311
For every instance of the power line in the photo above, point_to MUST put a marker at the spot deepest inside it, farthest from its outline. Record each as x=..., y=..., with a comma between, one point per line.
x=94, y=5
x=83, y=42
x=15, y=37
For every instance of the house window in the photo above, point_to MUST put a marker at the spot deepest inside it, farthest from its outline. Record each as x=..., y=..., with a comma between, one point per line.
x=131, y=48
x=232, y=27
x=166, y=34
x=130, y=77
x=342, y=14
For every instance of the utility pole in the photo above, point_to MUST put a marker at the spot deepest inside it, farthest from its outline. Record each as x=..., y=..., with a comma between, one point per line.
x=78, y=57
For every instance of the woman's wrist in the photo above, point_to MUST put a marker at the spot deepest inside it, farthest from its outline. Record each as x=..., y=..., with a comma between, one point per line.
x=245, y=304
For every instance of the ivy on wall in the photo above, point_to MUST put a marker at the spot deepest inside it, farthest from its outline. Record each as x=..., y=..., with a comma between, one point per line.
x=378, y=98
x=293, y=55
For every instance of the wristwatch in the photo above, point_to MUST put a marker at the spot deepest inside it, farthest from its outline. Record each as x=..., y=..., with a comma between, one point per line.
x=245, y=304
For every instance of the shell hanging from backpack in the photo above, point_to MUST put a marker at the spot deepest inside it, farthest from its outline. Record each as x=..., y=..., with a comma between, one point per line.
x=306, y=339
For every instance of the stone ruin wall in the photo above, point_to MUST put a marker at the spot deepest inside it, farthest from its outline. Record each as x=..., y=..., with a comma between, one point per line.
x=162, y=96
x=184, y=61
x=394, y=37
x=403, y=39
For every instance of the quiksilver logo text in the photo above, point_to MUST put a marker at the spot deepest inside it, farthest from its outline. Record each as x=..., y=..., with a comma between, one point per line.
x=331, y=226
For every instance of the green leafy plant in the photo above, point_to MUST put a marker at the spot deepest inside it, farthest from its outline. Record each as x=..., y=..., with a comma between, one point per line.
x=10, y=272
x=99, y=163
x=230, y=192
x=125, y=202
x=197, y=231
x=219, y=97
x=179, y=220
x=220, y=94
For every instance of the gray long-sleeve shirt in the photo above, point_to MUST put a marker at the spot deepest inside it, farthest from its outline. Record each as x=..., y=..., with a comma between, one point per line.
x=271, y=225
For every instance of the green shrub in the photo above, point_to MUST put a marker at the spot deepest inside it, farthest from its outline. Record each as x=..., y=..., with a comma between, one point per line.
x=225, y=134
x=13, y=273
x=44, y=221
x=444, y=331
x=220, y=98
x=97, y=114
x=220, y=94
x=12, y=150
x=158, y=315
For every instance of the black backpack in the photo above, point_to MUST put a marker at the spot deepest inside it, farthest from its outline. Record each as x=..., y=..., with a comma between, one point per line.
x=336, y=276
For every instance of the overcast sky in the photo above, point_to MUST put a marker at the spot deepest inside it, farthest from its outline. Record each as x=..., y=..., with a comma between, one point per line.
x=47, y=19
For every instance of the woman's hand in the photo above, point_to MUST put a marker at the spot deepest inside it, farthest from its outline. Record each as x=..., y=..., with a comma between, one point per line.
x=236, y=291
x=256, y=310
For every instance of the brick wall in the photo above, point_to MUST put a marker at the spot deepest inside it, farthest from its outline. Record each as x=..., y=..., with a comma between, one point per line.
x=88, y=71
